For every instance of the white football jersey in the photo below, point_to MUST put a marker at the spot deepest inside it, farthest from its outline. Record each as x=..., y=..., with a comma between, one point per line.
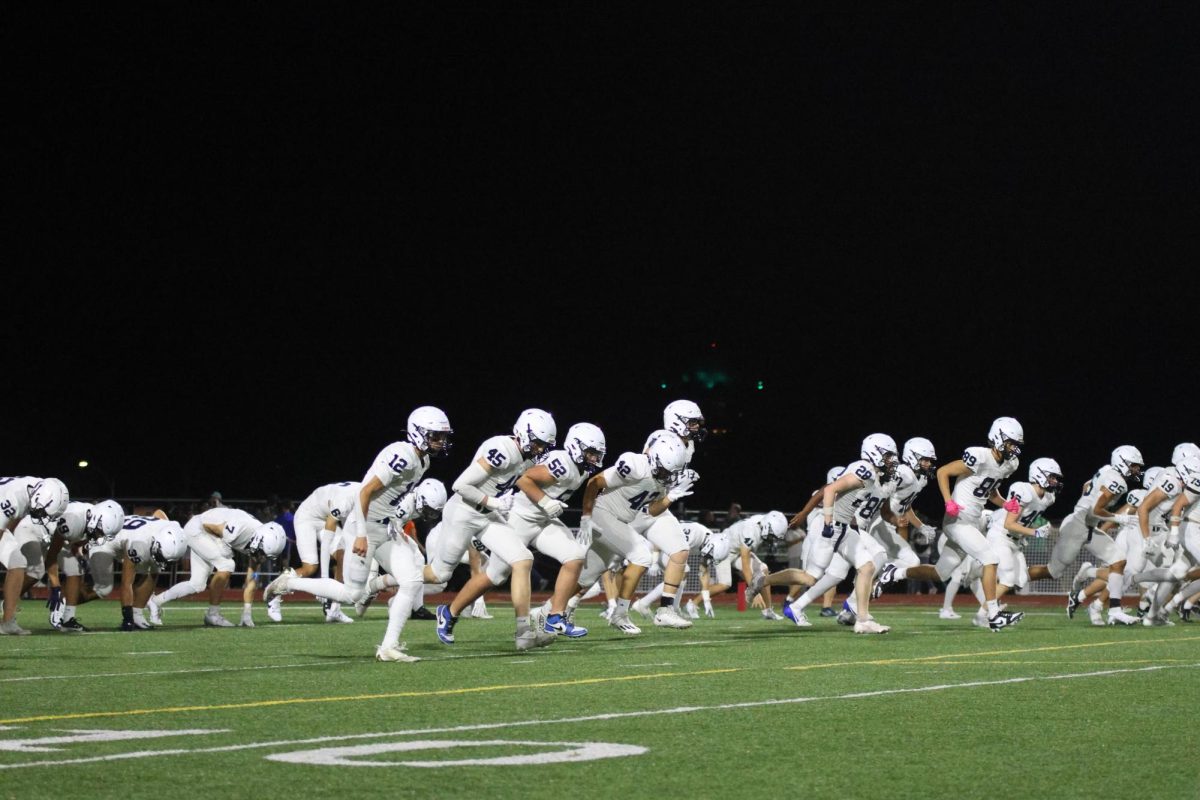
x=1107, y=477
x=696, y=535
x=690, y=445
x=1168, y=480
x=237, y=526
x=862, y=505
x=747, y=532
x=136, y=536
x=1032, y=507
x=507, y=462
x=70, y=524
x=14, y=498
x=972, y=491
x=629, y=487
x=908, y=486
x=331, y=500
x=399, y=469
x=567, y=478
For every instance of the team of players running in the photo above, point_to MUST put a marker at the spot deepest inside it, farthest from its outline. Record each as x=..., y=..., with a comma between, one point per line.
x=510, y=498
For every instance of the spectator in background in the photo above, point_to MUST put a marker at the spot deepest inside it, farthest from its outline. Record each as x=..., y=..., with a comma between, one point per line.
x=214, y=501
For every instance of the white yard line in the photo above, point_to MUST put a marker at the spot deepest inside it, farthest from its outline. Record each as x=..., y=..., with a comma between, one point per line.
x=90, y=675
x=283, y=743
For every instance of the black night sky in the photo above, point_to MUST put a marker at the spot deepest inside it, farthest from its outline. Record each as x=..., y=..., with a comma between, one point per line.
x=246, y=241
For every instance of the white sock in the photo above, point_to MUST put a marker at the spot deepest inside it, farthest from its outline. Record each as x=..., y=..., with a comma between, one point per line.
x=592, y=591
x=816, y=591
x=901, y=573
x=322, y=587
x=68, y=613
x=611, y=604
x=993, y=608
x=1116, y=587
x=951, y=590
x=399, y=609
x=652, y=595
x=246, y=608
x=622, y=605
x=213, y=611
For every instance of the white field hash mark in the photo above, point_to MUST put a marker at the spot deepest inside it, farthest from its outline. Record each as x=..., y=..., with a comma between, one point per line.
x=282, y=743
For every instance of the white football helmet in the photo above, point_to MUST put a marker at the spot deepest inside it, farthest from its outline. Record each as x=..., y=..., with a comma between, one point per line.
x=431, y=498
x=536, y=432
x=683, y=418
x=1007, y=436
x=268, y=540
x=1128, y=461
x=48, y=500
x=833, y=474
x=716, y=548
x=429, y=431
x=773, y=525
x=667, y=456
x=103, y=521
x=1189, y=473
x=880, y=450
x=1151, y=476
x=585, y=446
x=916, y=449
x=169, y=545
x=1046, y=473
x=1184, y=450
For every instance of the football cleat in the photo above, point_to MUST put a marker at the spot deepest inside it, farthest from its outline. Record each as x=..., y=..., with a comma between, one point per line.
x=56, y=614
x=445, y=625
x=422, y=612
x=755, y=586
x=11, y=628
x=828, y=611
x=1117, y=616
x=280, y=586
x=559, y=625
x=363, y=603
x=1094, y=614
x=155, y=612
x=869, y=625
x=690, y=609
x=769, y=614
x=275, y=609
x=1005, y=619
x=796, y=617
x=622, y=623
x=980, y=619
x=1185, y=613
x=668, y=617
x=216, y=621
x=846, y=617
x=247, y=621
x=531, y=639
x=394, y=654
x=1072, y=605
x=948, y=613
x=126, y=625
x=73, y=625
x=1156, y=620
x=338, y=616
x=642, y=609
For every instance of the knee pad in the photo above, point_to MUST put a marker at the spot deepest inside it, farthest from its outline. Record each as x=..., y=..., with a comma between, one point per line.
x=497, y=571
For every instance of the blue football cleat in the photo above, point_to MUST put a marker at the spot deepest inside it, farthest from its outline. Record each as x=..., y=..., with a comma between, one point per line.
x=560, y=626
x=445, y=625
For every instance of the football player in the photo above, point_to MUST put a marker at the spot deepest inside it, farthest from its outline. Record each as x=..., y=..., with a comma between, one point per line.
x=80, y=523
x=318, y=519
x=29, y=509
x=143, y=546
x=920, y=464
x=483, y=495
x=212, y=537
x=611, y=502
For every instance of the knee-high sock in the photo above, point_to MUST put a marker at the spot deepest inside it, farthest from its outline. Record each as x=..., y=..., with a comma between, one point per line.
x=322, y=587
x=977, y=589
x=593, y=590
x=823, y=584
x=1116, y=588
x=951, y=590
x=652, y=595
x=399, y=610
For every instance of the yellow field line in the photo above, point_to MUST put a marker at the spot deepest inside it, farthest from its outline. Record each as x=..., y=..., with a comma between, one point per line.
x=355, y=697
x=886, y=661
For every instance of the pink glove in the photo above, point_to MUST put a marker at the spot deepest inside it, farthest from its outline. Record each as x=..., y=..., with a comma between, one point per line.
x=953, y=509
x=1012, y=504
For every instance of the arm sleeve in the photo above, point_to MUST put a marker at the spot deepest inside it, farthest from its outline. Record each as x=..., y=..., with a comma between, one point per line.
x=467, y=485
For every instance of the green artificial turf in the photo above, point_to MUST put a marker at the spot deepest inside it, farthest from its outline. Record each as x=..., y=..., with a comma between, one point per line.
x=934, y=709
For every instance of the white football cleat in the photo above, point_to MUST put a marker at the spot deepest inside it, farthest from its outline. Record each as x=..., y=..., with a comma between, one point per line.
x=1095, y=613
x=769, y=614
x=216, y=621
x=1117, y=616
x=948, y=613
x=155, y=612
x=668, y=617
x=642, y=609
x=622, y=623
x=980, y=620
x=797, y=617
x=279, y=586
x=531, y=639
x=247, y=621
x=339, y=616
x=870, y=626
x=755, y=586
x=690, y=608
x=394, y=654
x=11, y=628
x=275, y=609
x=1080, y=578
